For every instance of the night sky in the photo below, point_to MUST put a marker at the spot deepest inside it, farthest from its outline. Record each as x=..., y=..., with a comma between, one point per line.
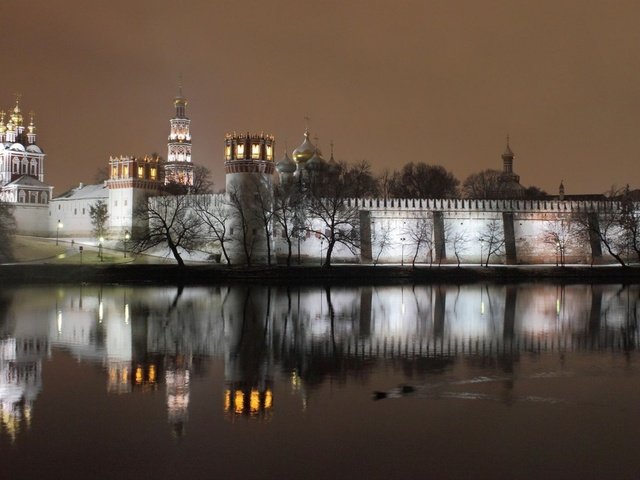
x=442, y=82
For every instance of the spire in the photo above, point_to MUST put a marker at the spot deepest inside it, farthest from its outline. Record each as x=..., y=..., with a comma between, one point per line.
x=507, y=159
x=561, y=190
x=180, y=102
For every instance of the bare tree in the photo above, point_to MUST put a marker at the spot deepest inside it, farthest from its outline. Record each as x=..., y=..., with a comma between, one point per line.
x=419, y=180
x=561, y=234
x=483, y=185
x=7, y=231
x=491, y=239
x=360, y=181
x=337, y=219
x=265, y=211
x=382, y=240
x=459, y=242
x=290, y=214
x=172, y=222
x=604, y=228
x=215, y=215
x=630, y=222
x=202, y=181
x=241, y=217
x=420, y=234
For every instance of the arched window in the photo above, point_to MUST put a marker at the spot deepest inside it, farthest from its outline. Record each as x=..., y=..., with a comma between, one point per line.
x=16, y=166
x=24, y=166
x=21, y=196
x=34, y=167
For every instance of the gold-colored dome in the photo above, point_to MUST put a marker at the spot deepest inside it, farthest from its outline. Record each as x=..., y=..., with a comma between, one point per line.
x=305, y=151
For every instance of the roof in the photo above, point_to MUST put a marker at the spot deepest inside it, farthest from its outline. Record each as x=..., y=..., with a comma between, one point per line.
x=84, y=192
x=27, y=181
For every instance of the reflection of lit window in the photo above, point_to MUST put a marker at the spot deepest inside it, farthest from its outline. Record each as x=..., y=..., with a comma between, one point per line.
x=255, y=151
x=268, y=399
x=238, y=401
x=254, y=401
x=139, y=375
x=240, y=150
x=227, y=400
x=152, y=373
x=227, y=152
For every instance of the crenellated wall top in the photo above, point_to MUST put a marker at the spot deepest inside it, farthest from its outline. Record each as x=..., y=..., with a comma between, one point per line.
x=464, y=205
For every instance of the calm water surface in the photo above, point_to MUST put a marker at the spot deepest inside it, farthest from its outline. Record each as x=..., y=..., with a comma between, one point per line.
x=481, y=381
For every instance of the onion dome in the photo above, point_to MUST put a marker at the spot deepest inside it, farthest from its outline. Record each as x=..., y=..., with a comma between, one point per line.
x=333, y=165
x=286, y=165
x=316, y=161
x=305, y=151
x=508, y=154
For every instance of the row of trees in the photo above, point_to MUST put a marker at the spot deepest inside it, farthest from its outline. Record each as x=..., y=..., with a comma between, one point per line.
x=247, y=216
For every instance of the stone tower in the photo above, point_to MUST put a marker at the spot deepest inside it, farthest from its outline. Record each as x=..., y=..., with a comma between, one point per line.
x=249, y=166
x=132, y=181
x=178, y=168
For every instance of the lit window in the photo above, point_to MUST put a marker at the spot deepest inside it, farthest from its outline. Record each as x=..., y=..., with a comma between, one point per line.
x=269, y=152
x=125, y=171
x=114, y=172
x=240, y=150
x=255, y=151
x=153, y=174
x=140, y=172
x=227, y=152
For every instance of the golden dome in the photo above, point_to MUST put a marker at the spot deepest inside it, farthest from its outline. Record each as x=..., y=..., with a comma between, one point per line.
x=305, y=151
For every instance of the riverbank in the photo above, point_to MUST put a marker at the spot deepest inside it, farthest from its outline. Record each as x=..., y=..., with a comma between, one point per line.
x=141, y=274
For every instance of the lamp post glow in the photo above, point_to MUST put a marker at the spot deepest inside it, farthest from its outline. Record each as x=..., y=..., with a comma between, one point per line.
x=127, y=236
x=557, y=252
x=100, y=240
x=58, y=227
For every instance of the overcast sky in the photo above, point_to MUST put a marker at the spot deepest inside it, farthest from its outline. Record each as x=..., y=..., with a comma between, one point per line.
x=391, y=82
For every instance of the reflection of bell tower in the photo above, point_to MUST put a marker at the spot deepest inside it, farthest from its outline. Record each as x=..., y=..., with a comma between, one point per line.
x=177, y=377
x=179, y=168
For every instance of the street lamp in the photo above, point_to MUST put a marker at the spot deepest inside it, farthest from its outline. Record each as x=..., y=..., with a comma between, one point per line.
x=58, y=227
x=100, y=240
x=127, y=236
x=557, y=252
x=402, y=239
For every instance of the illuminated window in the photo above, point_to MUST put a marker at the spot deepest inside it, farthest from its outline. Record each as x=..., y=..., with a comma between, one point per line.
x=240, y=150
x=227, y=152
x=255, y=151
x=153, y=174
x=114, y=172
x=269, y=152
x=125, y=171
x=140, y=172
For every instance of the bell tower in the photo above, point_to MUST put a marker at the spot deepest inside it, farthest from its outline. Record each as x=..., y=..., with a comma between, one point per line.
x=178, y=168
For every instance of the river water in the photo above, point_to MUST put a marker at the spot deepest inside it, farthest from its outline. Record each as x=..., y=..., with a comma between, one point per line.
x=440, y=381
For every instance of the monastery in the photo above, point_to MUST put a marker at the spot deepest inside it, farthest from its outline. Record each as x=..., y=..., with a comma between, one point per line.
x=249, y=159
